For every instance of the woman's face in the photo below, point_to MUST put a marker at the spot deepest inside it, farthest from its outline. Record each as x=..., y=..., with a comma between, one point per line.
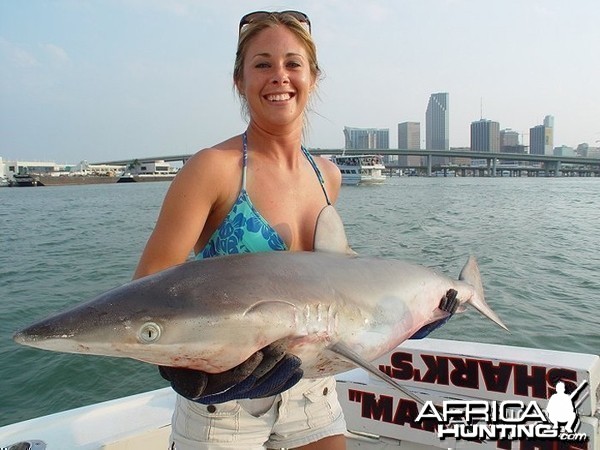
x=276, y=79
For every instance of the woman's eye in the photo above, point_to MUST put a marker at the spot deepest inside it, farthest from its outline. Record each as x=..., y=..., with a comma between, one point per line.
x=261, y=65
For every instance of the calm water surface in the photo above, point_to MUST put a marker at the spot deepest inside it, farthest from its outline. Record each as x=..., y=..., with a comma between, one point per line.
x=536, y=240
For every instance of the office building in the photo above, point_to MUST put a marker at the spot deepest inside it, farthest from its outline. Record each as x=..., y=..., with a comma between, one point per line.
x=409, y=138
x=485, y=136
x=509, y=142
x=541, y=138
x=366, y=138
x=508, y=138
x=437, y=122
x=437, y=125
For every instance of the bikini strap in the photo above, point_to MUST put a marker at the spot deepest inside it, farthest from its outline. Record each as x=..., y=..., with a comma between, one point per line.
x=317, y=171
x=244, y=159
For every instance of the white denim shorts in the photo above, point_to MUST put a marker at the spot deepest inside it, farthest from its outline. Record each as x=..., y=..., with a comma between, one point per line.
x=307, y=412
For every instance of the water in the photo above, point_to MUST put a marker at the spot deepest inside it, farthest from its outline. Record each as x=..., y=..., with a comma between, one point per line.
x=536, y=241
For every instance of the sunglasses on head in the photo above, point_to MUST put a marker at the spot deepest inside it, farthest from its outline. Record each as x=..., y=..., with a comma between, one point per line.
x=257, y=16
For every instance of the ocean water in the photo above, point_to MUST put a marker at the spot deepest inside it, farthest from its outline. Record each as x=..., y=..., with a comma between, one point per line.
x=537, y=241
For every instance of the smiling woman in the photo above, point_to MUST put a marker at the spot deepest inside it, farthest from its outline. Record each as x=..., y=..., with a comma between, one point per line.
x=302, y=53
x=255, y=192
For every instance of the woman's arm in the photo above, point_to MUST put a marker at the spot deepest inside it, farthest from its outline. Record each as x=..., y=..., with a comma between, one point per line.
x=183, y=215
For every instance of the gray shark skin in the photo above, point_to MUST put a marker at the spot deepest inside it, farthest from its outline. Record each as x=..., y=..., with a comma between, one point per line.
x=331, y=308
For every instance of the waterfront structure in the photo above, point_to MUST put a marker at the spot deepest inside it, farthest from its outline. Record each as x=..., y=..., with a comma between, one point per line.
x=368, y=139
x=437, y=124
x=51, y=168
x=541, y=137
x=485, y=136
x=564, y=150
x=409, y=138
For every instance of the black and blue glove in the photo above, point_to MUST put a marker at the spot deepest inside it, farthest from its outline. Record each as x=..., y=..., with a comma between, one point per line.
x=267, y=372
x=449, y=303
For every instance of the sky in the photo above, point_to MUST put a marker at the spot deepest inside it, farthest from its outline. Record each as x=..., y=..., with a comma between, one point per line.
x=99, y=80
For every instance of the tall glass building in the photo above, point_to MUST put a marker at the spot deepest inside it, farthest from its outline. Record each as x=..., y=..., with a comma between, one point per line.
x=437, y=122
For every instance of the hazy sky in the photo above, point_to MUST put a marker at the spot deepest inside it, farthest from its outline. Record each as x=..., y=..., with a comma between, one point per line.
x=108, y=79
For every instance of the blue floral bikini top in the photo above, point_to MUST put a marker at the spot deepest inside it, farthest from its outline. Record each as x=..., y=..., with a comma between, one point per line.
x=244, y=229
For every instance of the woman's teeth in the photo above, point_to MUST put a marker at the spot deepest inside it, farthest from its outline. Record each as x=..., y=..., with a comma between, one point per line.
x=278, y=97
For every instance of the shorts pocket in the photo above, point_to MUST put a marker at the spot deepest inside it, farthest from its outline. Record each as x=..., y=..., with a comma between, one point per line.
x=206, y=423
x=321, y=404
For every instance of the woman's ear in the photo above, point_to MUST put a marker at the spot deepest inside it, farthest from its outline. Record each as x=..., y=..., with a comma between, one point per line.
x=239, y=86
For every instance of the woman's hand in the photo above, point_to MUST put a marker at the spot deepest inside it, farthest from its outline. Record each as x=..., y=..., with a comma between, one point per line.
x=267, y=372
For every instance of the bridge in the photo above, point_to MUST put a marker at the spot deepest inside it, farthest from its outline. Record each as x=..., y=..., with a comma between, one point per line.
x=550, y=164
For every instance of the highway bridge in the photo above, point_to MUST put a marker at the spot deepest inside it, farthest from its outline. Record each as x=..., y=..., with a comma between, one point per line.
x=494, y=161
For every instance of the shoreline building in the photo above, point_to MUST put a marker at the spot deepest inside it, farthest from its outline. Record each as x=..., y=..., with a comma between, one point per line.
x=509, y=142
x=409, y=138
x=367, y=139
x=485, y=136
x=541, y=137
x=437, y=124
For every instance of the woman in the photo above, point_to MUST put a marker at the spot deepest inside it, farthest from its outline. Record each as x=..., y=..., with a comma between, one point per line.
x=259, y=191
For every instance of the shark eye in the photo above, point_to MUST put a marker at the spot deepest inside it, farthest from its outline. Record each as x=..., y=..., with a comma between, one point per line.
x=149, y=333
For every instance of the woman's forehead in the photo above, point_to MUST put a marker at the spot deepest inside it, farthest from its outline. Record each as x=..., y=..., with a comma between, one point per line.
x=276, y=40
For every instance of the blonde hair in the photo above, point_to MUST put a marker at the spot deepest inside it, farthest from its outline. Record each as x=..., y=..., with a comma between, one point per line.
x=251, y=30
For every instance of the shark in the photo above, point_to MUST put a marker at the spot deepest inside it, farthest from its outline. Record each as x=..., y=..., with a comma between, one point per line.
x=331, y=307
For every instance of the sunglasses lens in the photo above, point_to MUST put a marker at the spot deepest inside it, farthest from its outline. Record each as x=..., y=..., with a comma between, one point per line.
x=262, y=15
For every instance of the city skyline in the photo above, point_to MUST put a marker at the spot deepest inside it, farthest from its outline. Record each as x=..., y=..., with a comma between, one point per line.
x=78, y=81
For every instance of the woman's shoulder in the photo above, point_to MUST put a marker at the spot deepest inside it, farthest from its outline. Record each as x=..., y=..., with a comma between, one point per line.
x=212, y=166
x=222, y=153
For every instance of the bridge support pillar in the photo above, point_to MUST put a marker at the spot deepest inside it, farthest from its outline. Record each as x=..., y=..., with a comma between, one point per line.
x=429, y=163
x=493, y=167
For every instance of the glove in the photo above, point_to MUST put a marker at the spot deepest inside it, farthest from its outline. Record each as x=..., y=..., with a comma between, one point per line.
x=449, y=304
x=267, y=372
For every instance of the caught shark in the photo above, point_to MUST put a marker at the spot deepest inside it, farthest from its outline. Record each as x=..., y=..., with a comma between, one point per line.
x=332, y=308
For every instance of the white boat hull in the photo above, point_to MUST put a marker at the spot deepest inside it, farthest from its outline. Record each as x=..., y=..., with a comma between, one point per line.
x=375, y=413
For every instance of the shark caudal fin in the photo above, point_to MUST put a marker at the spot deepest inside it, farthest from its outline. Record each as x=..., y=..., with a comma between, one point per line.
x=470, y=274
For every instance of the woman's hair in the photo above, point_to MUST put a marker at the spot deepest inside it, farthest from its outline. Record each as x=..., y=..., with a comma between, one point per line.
x=249, y=32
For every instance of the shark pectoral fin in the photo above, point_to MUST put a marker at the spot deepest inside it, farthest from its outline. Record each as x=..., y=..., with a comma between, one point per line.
x=330, y=235
x=346, y=352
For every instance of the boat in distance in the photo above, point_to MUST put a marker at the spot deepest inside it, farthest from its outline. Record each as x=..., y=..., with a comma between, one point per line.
x=360, y=169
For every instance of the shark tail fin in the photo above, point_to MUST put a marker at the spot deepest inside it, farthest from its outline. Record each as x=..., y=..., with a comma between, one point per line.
x=470, y=274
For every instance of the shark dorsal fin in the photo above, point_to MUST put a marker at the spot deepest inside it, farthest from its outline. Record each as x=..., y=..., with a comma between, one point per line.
x=329, y=233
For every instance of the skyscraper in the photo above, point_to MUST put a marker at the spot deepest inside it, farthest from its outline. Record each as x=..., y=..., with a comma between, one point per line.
x=409, y=138
x=437, y=122
x=549, y=135
x=541, y=138
x=366, y=138
x=485, y=136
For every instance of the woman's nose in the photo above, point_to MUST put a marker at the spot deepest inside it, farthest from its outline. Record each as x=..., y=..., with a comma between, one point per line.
x=280, y=76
